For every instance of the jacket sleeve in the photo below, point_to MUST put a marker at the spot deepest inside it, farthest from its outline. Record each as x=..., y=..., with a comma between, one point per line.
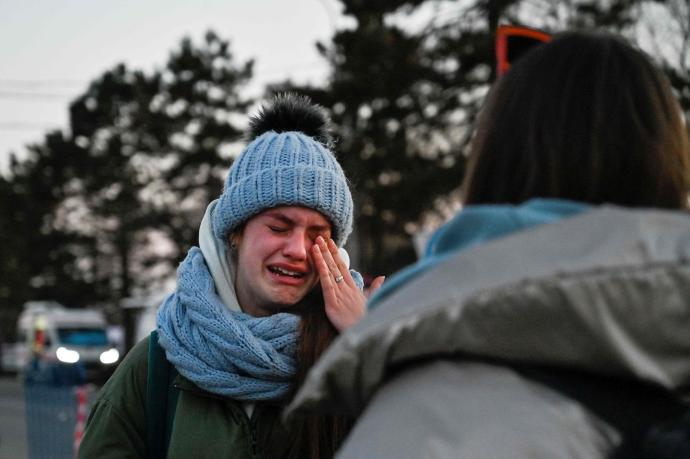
x=116, y=427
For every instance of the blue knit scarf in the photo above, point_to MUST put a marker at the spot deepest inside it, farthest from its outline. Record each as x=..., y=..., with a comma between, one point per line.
x=222, y=351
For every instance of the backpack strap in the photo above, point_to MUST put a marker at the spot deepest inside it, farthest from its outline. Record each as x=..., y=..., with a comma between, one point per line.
x=161, y=399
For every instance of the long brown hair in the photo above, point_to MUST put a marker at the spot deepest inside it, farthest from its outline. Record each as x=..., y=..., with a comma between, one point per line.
x=316, y=436
x=584, y=117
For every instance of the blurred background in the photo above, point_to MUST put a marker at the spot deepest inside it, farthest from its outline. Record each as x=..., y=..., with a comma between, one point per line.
x=119, y=120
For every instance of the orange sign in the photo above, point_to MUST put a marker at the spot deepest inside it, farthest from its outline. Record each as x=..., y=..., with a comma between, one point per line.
x=512, y=42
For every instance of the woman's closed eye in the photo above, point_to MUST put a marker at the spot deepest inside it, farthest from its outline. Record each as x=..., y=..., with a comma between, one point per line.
x=277, y=229
x=326, y=235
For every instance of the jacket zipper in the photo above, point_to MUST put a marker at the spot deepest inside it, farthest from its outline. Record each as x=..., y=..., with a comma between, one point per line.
x=251, y=422
x=253, y=442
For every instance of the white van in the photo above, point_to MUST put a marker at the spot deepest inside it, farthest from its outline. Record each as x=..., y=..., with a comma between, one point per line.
x=52, y=333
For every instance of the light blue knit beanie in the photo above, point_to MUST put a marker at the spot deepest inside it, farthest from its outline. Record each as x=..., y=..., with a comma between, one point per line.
x=286, y=165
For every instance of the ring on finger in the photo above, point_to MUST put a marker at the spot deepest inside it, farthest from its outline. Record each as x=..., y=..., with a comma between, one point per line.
x=339, y=279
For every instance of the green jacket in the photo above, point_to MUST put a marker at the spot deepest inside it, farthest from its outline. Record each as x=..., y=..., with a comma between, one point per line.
x=205, y=425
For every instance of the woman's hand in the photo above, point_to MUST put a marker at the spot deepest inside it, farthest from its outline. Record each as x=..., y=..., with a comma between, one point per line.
x=344, y=302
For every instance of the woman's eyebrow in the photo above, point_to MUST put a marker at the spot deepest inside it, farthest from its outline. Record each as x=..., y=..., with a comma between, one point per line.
x=280, y=217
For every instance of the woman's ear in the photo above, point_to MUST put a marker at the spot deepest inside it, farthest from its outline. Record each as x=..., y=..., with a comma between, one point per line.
x=233, y=241
x=235, y=238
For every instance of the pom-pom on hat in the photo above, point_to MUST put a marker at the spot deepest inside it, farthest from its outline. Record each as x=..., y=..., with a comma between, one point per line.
x=287, y=164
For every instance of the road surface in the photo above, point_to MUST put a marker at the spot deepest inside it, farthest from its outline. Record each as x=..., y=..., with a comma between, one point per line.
x=12, y=419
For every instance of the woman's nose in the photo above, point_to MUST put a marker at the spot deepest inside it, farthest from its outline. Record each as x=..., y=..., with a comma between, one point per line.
x=296, y=246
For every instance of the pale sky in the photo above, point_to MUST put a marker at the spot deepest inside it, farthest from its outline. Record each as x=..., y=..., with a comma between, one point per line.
x=51, y=49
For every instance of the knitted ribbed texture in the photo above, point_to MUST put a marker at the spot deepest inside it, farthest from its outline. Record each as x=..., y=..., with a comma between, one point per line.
x=287, y=168
x=221, y=351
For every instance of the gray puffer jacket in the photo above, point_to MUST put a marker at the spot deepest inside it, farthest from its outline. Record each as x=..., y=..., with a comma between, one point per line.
x=566, y=340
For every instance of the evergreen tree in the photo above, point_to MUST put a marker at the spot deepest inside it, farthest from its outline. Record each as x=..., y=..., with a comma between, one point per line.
x=99, y=212
x=39, y=261
x=154, y=156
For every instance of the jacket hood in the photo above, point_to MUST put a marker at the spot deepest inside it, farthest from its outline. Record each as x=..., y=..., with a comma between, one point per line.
x=605, y=291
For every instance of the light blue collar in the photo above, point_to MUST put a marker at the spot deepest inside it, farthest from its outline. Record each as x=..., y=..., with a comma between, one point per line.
x=475, y=225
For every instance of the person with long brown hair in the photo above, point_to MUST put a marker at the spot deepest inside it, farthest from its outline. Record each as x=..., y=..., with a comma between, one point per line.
x=257, y=302
x=588, y=119
x=550, y=317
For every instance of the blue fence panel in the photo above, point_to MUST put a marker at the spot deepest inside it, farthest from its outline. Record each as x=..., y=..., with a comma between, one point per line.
x=51, y=414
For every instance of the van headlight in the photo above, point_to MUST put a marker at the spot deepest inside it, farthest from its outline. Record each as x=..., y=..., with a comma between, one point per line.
x=66, y=355
x=110, y=356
